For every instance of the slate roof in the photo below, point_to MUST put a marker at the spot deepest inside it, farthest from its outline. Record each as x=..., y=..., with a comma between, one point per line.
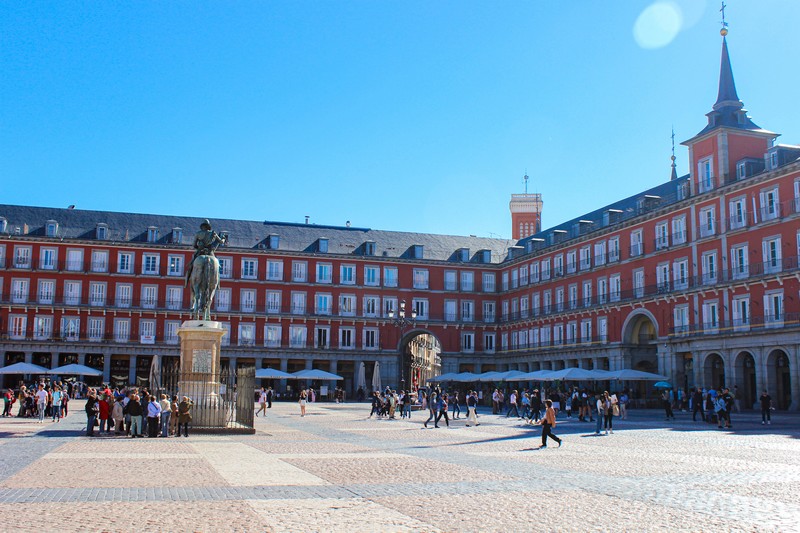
x=133, y=227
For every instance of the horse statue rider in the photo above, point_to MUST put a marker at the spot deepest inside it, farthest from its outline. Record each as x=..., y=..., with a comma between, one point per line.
x=202, y=275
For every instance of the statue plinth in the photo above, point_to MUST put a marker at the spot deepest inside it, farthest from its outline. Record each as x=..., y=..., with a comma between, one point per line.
x=200, y=368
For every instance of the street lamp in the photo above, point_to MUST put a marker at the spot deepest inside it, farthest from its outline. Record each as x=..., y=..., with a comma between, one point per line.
x=400, y=320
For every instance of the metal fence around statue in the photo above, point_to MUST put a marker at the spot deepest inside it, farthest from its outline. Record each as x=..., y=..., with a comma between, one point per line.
x=221, y=402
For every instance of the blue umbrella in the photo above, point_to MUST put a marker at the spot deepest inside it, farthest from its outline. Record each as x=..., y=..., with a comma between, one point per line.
x=662, y=385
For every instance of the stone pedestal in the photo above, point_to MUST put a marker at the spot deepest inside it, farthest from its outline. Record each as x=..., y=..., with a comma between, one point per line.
x=200, y=369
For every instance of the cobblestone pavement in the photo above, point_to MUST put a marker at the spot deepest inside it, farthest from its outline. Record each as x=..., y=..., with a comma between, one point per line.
x=338, y=470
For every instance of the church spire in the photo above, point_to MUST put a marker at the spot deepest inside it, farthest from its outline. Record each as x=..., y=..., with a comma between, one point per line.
x=726, y=96
x=674, y=174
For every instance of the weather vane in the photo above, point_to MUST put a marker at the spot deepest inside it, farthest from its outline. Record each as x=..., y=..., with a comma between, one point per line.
x=724, y=30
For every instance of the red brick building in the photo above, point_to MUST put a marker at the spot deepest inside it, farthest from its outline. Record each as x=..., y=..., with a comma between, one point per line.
x=696, y=278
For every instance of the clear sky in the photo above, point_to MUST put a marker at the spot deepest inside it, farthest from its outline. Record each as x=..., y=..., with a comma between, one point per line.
x=393, y=114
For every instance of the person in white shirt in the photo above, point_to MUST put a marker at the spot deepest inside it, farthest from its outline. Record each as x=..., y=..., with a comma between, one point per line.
x=153, y=414
x=41, y=402
x=262, y=402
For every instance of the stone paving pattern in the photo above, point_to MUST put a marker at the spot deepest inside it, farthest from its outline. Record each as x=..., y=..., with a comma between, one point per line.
x=337, y=470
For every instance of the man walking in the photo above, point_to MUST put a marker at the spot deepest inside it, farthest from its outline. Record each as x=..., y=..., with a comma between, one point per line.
x=472, y=405
x=766, y=407
x=697, y=405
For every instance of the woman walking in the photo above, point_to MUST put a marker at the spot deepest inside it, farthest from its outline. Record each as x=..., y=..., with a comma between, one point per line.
x=548, y=422
x=303, y=400
x=262, y=402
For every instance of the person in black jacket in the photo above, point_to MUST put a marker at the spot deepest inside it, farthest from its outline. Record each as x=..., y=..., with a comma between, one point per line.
x=92, y=409
x=135, y=410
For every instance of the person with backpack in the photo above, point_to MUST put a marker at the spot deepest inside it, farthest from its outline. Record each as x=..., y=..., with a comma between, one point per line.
x=548, y=422
x=472, y=406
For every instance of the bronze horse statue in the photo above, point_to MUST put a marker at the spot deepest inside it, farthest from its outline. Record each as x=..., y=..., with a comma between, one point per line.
x=203, y=283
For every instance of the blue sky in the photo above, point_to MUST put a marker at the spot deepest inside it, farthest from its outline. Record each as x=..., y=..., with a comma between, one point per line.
x=402, y=115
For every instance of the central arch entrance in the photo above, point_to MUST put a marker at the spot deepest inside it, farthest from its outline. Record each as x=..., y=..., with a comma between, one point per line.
x=640, y=336
x=420, y=359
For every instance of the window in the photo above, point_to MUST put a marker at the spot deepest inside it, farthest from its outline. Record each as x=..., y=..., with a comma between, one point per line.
x=450, y=312
x=488, y=281
x=274, y=270
x=175, y=265
x=585, y=255
x=247, y=300
x=558, y=334
x=467, y=342
x=147, y=331
x=47, y=259
x=709, y=265
x=43, y=327
x=602, y=291
x=739, y=265
x=46, y=292
x=249, y=268
x=72, y=292
x=370, y=339
x=773, y=308
x=177, y=235
x=123, y=295
x=97, y=328
x=18, y=326
x=741, y=312
x=347, y=338
x=615, y=287
x=705, y=174
x=150, y=265
x=680, y=274
x=662, y=236
x=322, y=245
x=523, y=307
x=347, y=275
x=247, y=334
x=299, y=271
x=710, y=316
x=297, y=336
x=273, y=241
x=547, y=299
x=324, y=273
x=545, y=270
x=514, y=308
x=420, y=278
x=372, y=306
x=602, y=329
x=681, y=319
x=171, y=331
x=679, y=230
x=372, y=276
x=572, y=261
x=122, y=329
x=600, y=253
x=613, y=249
x=586, y=331
x=468, y=310
x=389, y=305
x=298, y=303
x=558, y=265
x=101, y=232
x=390, y=276
x=223, y=299
x=75, y=260
x=51, y=228
x=636, y=243
x=769, y=204
x=99, y=261
x=369, y=248
x=152, y=234
x=420, y=305
x=124, y=262
x=662, y=278
x=771, y=250
x=225, y=267
x=488, y=342
x=97, y=294
x=489, y=310
x=273, y=302
x=738, y=214
x=450, y=280
x=70, y=328
x=559, y=299
x=323, y=304
x=22, y=257
x=587, y=293
x=149, y=296
x=523, y=278
x=638, y=283
x=272, y=336
x=505, y=281
x=174, y=298
x=707, y=225
x=347, y=305
x=534, y=268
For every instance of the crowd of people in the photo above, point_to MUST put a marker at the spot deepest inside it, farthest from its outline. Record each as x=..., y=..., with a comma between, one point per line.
x=39, y=401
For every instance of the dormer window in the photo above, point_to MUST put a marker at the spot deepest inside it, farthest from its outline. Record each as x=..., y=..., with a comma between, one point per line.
x=486, y=256
x=369, y=248
x=152, y=234
x=101, y=232
x=773, y=160
x=273, y=241
x=3, y=225
x=51, y=228
x=418, y=251
x=177, y=235
x=322, y=245
x=463, y=255
x=741, y=169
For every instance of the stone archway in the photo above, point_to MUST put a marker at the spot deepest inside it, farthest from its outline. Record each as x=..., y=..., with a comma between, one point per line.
x=745, y=365
x=640, y=337
x=779, y=380
x=420, y=358
x=714, y=371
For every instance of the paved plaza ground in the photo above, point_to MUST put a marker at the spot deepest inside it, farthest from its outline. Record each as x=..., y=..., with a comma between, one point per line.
x=337, y=470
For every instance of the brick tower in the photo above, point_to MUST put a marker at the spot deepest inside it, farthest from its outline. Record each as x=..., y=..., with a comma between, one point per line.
x=526, y=213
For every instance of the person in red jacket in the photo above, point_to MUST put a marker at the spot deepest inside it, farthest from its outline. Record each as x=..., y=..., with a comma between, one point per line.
x=105, y=411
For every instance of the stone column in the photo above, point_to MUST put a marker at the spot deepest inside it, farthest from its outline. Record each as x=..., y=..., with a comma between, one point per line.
x=106, y=367
x=200, y=354
x=132, y=370
x=794, y=360
x=29, y=357
x=284, y=368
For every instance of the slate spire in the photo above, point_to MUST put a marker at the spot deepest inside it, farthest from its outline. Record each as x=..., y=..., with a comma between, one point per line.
x=726, y=96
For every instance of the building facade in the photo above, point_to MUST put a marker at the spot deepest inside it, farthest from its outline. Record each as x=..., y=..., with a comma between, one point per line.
x=696, y=278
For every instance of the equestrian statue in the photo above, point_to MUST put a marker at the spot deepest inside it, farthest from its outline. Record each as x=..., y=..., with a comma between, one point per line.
x=202, y=276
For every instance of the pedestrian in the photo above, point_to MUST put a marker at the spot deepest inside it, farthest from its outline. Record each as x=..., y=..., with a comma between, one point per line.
x=737, y=404
x=601, y=412
x=719, y=408
x=376, y=405
x=118, y=416
x=92, y=409
x=496, y=400
x=270, y=394
x=697, y=405
x=536, y=406
x=548, y=422
x=766, y=407
x=409, y=400
x=8, y=400
x=728, y=399
x=262, y=402
x=454, y=405
x=153, y=417
x=41, y=402
x=184, y=416
x=609, y=402
x=56, y=407
x=432, y=405
x=134, y=409
x=623, y=405
x=442, y=411
x=472, y=406
x=166, y=414
x=302, y=402
x=173, y=418
x=512, y=404
x=665, y=400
